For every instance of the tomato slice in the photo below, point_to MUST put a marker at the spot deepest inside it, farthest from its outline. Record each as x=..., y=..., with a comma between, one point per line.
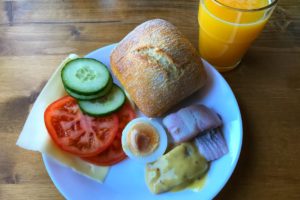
x=115, y=153
x=77, y=133
x=110, y=156
x=125, y=115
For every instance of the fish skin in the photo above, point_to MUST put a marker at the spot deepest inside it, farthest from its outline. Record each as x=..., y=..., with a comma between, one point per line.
x=211, y=145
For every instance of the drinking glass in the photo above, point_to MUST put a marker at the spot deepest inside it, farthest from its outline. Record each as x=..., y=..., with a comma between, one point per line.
x=228, y=27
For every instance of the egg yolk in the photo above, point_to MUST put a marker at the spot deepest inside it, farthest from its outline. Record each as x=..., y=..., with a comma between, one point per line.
x=142, y=139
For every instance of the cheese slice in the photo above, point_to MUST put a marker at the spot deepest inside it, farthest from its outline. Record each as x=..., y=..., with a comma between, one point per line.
x=34, y=135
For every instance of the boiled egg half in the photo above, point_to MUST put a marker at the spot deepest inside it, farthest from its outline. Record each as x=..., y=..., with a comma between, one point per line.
x=144, y=140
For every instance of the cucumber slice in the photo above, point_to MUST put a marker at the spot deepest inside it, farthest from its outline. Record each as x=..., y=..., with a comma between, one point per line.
x=102, y=93
x=85, y=76
x=106, y=104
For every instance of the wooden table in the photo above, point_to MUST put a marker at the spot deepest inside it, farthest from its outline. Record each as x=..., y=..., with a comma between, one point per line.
x=36, y=35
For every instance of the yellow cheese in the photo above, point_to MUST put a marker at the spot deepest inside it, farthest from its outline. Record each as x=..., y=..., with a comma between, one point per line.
x=34, y=135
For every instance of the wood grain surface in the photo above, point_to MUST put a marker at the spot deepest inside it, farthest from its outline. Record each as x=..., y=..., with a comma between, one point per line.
x=36, y=35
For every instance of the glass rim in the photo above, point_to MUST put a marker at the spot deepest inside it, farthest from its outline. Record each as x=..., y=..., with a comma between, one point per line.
x=247, y=10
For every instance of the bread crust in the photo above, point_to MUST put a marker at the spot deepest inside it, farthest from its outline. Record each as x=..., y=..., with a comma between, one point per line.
x=157, y=66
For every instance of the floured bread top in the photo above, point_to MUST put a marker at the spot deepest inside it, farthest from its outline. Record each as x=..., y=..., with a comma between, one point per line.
x=157, y=66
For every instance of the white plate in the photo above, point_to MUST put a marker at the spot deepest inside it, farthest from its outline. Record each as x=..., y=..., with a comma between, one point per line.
x=126, y=179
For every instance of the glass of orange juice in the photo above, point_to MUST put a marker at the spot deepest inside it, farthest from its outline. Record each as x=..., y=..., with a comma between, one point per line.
x=228, y=27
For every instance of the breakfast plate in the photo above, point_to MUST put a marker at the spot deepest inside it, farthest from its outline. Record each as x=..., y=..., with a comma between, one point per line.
x=126, y=180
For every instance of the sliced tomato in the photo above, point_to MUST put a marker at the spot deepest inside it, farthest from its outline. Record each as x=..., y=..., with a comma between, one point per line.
x=110, y=156
x=125, y=115
x=76, y=132
x=115, y=153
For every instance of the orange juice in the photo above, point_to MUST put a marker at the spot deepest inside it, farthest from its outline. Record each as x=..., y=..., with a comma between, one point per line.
x=228, y=27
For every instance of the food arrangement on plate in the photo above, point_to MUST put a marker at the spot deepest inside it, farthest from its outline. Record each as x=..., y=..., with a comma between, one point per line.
x=93, y=123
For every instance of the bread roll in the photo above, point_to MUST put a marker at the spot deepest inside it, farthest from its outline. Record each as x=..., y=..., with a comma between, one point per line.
x=157, y=66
